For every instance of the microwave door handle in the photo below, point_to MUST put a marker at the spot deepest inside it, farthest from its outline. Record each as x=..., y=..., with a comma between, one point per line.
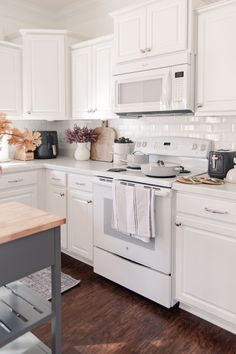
x=169, y=89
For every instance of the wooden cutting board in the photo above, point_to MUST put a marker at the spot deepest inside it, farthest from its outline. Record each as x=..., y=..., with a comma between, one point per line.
x=101, y=150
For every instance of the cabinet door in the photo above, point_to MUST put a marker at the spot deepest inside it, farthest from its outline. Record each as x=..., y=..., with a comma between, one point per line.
x=130, y=35
x=27, y=195
x=102, y=79
x=44, y=77
x=205, y=268
x=82, y=83
x=56, y=203
x=80, y=220
x=167, y=27
x=216, y=60
x=10, y=87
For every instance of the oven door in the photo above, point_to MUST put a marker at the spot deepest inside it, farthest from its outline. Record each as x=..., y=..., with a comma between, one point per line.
x=157, y=253
x=146, y=91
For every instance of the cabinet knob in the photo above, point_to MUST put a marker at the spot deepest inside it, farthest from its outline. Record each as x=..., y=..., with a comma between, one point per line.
x=29, y=112
x=143, y=51
x=200, y=105
x=89, y=201
x=62, y=194
x=178, y=224
x=148, y=50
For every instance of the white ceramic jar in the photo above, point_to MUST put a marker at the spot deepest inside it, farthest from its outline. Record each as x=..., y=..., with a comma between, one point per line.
x=231, y=175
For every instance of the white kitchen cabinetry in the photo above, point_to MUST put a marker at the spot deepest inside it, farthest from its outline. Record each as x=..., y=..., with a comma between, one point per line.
x=11, y=76
x=80, y=218
x=216, y=59
x=158, y=28
x=205, y=258
x=92, y=78
x=56, y=199
x=44, y=74
x=20, y=187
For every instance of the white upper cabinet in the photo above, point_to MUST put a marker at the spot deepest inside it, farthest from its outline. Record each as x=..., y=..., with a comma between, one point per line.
x=130, y=35
x=91, y=79
x=216, y=60
x=10, y=76
x=158, y=28
x=167, y=27
x=81, y=82
x=44, y=75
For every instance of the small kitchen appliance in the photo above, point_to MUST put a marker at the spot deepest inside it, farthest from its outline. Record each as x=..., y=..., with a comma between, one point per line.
x=49, y=147
x=220, y=162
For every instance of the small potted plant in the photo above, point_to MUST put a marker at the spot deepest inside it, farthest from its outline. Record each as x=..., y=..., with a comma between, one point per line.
x=83, y=137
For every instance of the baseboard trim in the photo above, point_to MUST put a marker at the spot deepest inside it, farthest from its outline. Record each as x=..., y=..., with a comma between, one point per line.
x=209, y=317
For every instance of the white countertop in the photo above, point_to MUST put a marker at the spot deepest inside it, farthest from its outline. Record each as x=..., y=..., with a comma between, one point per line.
x=93, y=168
x=65, y=164
x=226, y=191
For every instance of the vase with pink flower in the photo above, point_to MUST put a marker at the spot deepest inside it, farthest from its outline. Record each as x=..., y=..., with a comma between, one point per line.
x=83, y=137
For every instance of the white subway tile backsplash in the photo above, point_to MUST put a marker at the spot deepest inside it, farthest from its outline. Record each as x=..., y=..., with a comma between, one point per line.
x=222, y=130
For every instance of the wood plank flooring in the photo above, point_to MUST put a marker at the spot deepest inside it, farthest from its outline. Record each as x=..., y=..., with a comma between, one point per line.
x=102, y=317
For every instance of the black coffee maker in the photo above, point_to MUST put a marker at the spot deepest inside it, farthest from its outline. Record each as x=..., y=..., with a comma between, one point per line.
x=49, y=147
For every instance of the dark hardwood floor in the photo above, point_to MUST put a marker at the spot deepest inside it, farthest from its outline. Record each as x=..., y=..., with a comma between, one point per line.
x=102, y=317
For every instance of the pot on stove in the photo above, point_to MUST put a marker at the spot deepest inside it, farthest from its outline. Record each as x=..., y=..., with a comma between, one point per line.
x=161, y=169
x=136, y=159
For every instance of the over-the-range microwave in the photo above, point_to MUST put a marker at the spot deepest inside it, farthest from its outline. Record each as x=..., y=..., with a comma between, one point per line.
x=164, y=90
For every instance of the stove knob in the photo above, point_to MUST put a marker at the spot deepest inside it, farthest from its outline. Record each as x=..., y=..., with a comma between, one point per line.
x=144, y=144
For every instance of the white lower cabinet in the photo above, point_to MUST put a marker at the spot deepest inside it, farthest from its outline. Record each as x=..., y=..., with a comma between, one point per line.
x=56, y=199
x=26, y=195
x=80, y=218
x=20, y=187
x=56, y=203
x=80, y=228
x=205, y=258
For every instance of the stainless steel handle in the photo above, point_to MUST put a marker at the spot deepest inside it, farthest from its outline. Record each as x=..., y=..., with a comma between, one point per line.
x=16, y=180
x=148, y=50
x=80, y=184
x=56, y=179
x=200, y=105
x=60, y=194
x=213, y=211
x=178, y=224
x=143, y=51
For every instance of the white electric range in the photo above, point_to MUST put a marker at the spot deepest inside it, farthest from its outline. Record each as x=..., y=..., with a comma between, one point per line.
x=145, y=268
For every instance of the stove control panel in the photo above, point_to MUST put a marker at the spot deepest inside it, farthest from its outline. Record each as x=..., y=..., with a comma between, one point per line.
x=175, y=146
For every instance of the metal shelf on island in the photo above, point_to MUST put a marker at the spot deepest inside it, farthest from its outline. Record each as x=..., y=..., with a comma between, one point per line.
x=26, y=344
x=21, y=310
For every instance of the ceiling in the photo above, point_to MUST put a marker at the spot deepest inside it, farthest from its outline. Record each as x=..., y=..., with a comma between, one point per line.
x=58, y=5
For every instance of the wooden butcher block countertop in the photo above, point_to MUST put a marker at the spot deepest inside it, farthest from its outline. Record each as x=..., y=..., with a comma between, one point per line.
x=19, y=220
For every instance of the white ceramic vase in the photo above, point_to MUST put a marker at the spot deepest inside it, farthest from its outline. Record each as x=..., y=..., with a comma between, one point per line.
x=82, y=152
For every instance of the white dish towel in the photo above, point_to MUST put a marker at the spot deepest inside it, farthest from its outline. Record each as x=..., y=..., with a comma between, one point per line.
x=133, y=211
x=123, y=207
x=144, y=205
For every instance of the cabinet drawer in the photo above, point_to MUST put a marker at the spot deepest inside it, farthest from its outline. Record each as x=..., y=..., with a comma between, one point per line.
x=215, y=209
x=18, y=179
x=80, y=182
x=56, y=178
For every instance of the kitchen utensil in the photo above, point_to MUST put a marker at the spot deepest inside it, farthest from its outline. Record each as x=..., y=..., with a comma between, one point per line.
x=101, y=150
x=220, y=162
x=160, y=169
x=231, y=174
x=136, y=159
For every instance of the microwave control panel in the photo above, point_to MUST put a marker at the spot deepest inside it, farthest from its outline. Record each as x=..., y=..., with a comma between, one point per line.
x=179, y=87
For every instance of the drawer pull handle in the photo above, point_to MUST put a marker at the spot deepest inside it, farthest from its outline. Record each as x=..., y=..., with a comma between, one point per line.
x=16, y=180
x=89, y=201
x=80, y=184
x=212, y=211
x=178, y=224
x=56, y=179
